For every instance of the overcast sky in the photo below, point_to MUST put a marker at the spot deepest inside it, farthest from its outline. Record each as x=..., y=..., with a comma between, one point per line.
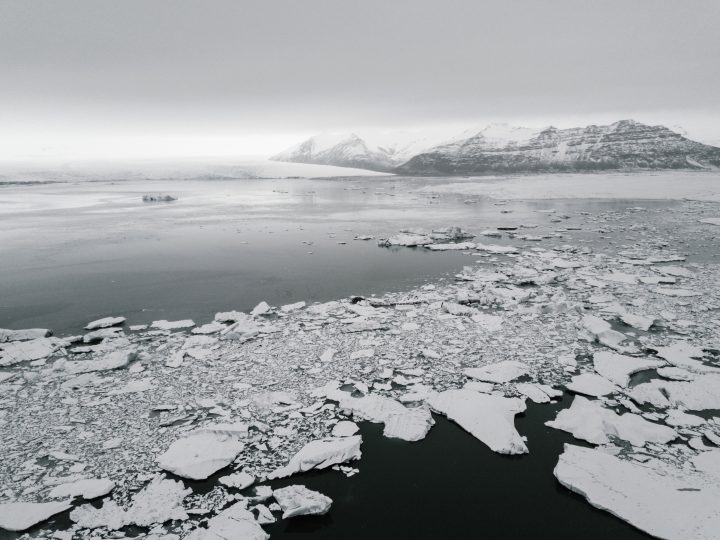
x=176, y=77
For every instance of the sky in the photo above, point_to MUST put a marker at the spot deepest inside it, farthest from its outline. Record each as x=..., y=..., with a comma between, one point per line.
x=165, y=78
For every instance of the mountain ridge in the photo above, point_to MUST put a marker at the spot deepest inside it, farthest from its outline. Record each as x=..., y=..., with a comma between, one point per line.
x=501, y=148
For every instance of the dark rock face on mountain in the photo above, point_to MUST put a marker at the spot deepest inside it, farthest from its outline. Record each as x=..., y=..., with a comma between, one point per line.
x=624, y=145
x=498, y=149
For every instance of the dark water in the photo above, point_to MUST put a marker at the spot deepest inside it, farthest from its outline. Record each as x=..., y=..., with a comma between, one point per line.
x=449, y=485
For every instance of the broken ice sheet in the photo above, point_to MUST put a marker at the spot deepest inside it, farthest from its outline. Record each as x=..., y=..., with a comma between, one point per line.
x=410, y=424
x=590, y=421
x=159, y=501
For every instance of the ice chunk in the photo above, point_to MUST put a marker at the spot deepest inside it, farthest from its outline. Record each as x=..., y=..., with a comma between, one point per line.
x=677, y=292
x=451, y=247
x=103, y=333
x=239, y=480
x=173, y=325
x=682, y=354
x=496, y=249
x=298, y=500
x=408, y=240
x=589, y=421
x=533, y=391
x=14, y=352
x=233, y=523
x=105, y=323
x=409, y=424
x=201, y=454
x=618, y=368
x=662, y=501
x=87, y=489
x=261, y=309
x=287, y=308
x=488, y=417
x=320, y=454
x=679, y=418
x=19, y=516
x=501, y=372
x=159, y=501
x=602, y=331
x=113, y=360
x=345, y=428
x=591, y=385
x=23, y=335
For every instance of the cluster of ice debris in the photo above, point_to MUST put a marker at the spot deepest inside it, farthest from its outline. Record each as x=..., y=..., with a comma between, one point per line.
x=248, y=398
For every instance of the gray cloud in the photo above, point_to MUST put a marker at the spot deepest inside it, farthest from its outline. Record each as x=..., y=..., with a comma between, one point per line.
x=314, y=64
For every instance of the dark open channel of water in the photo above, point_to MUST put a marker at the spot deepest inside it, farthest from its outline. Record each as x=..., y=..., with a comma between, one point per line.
x=449, y=485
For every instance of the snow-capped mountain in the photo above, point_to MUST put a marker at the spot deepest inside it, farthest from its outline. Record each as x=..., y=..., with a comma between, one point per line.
x=376, y=151
x=500, y=148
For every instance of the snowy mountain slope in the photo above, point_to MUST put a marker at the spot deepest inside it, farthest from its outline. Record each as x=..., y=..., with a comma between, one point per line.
x=623, y=145
x=374, y=151
x=501, y=148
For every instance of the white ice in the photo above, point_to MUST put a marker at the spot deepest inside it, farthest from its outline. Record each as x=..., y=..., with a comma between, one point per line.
x=488, y=417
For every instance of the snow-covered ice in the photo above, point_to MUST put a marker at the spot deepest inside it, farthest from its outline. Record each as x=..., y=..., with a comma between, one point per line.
x=321, y=454
x=590, y=421
x=500, y=372
x=19, y=516
x=201, y=454
x=488, y=417
x=297, y=500
x=664, y=502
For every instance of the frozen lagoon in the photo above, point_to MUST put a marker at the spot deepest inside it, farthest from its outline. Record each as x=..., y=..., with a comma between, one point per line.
x=618, y=224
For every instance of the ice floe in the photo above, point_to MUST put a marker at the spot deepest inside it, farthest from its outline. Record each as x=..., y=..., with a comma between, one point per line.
x=658, y=499
x=19, y=516
x=201, y=454
x=159, y=501
x=320, y=454
x=87, y=489
x=500, y=372
x=618, y=368
x=490, y=418
x=590, y=421
x=298, y=500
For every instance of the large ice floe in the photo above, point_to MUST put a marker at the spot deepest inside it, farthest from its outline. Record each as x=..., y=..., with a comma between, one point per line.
x=201, y=454
x=488, y=417
x=590, y=421
x=659, y=499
